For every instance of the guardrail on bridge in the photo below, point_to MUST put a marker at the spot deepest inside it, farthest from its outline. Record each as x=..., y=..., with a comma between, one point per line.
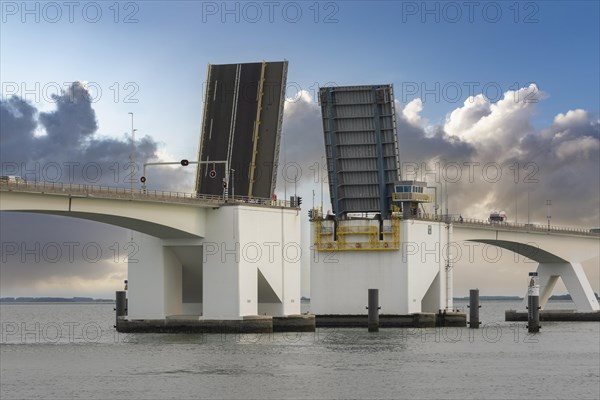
x=125, y=193
x=508, y=225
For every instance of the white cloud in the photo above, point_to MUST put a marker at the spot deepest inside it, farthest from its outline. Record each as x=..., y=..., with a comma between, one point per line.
x=302, y=96
x=495, y=128
x=572, y=117
x=461, y=120
x=412, y=113
x=580, y=149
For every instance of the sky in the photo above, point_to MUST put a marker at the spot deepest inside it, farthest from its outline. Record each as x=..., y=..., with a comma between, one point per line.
x=499, y=102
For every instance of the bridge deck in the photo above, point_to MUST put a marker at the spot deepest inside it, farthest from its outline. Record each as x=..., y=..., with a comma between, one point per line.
x=120, y=193
x=509, y=226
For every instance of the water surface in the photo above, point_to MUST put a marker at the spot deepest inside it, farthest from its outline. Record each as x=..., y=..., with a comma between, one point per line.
x=72, y=351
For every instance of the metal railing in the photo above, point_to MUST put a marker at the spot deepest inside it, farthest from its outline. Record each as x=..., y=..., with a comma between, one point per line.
x=109, y=192
x=514, y=226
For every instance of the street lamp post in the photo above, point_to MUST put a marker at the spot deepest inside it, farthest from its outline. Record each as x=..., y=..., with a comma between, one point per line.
x=435, y=206
x=548, y=204
x=321, y=179
x=132, y=179
x=445, y=183
x=296, y=184
x=528, y=194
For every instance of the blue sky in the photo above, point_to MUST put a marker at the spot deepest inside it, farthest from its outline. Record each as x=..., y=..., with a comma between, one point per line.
x=440, y=52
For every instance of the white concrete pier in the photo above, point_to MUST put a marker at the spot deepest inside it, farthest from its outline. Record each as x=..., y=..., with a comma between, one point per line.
x=248, y=264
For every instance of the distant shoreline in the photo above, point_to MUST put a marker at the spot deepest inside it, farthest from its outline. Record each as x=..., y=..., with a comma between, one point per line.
x=89, y=300
x=553, y=297
x=504, y=298
x=54, y=300
x=57, y=302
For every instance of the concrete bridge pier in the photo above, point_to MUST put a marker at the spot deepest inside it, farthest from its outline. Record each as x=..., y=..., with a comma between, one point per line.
x=156, y=277
x=247, y=265
x=575, y=281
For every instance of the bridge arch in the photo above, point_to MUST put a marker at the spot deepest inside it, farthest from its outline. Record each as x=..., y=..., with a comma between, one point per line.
x=551, y=267
x=158, y=230
x=530, y=250
x=159, y=219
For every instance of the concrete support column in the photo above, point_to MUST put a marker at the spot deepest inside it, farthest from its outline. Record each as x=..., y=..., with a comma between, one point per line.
x=291, y=268
x=154, y=275
x=228, y=281
x=221, y=283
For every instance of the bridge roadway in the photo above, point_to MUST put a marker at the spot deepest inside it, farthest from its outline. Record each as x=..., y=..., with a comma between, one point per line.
x=120, y=193
x=510, y=226
x=162, y=214
x=75, y=191
x=204, y=200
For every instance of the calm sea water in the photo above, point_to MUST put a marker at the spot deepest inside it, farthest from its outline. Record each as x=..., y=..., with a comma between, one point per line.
x=55, y=351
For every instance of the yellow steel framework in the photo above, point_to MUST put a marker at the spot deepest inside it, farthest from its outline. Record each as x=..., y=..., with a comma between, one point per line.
x=324, y=236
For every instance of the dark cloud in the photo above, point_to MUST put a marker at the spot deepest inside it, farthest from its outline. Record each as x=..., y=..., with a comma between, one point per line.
x=18, y=121
x=73, y=121
x=64, y=145
x=566, y=160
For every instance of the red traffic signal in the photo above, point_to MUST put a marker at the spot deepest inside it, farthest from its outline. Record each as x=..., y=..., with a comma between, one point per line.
x=212, y=173
x=185, y=163
x=143, y=179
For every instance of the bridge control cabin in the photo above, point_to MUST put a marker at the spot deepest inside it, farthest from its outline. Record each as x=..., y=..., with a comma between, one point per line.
x=410, y=196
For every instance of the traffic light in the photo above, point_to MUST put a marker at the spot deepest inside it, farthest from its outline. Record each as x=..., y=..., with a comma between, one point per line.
x=298, y=201
x=185, y=162
x=311, y=214
x=143, y=179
